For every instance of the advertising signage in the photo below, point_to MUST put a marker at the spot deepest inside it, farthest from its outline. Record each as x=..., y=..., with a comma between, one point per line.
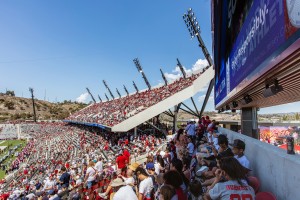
x=264, y=29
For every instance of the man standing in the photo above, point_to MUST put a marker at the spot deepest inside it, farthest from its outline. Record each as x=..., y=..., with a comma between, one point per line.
x=190, y=129
x=121, y=161
x=146, y=184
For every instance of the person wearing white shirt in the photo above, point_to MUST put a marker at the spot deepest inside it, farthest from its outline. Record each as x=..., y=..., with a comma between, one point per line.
x=238, y=150
x=99, y=165
x=49, y=184
x=146, y=184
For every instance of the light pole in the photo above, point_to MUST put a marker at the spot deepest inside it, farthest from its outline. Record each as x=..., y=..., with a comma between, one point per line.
x=33, y=104
x=194, y=29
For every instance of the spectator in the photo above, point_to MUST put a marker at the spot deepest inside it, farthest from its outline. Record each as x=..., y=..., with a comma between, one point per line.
x=99, y=165
x=65, y=177
x=122, y=191
x=191, y=129
x=174, y=179
x=235, y=185
x=238, y=151
x=178, y=166
x=90, y=175
x=167, y=192
x=121, y=161
x=146, y=184
x=195, y=190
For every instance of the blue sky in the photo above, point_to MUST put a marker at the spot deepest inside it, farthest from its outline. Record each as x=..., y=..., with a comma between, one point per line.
x=63, y=46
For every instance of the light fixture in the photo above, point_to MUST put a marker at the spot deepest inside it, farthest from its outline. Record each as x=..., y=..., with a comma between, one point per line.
x=246, y=100
x=272, y=90
x=235, y=104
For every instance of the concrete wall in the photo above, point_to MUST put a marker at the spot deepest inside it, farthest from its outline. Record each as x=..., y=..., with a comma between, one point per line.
x=277, y=171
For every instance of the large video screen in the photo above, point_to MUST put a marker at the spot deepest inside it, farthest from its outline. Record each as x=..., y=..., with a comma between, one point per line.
x=250, y=33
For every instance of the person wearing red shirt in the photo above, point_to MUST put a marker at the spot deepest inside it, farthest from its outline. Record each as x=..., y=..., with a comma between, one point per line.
x=121, y=161
x=126, y=154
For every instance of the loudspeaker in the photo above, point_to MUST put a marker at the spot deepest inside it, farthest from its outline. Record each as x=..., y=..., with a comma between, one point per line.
x=247, y=99
x=272, y=90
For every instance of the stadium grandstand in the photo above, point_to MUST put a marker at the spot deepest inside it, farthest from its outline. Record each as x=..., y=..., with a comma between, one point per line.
x=104, y=151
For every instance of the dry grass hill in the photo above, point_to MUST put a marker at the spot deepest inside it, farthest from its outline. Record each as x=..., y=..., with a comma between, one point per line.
x=18, y=108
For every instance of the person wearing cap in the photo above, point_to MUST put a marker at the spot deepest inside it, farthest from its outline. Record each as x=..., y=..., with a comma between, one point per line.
x=238, y=151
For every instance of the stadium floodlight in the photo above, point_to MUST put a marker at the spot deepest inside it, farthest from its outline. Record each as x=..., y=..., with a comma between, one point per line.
x=87, y=89
x=118, y=92
x=181, y=68
x=134, y=85
x=273, y=89
x=106, y=97
x=111, y=94
x=99, y=98
x=126, y=90
x=192, y=24
x=139, y=68
x=163, y=76
x=33, y=104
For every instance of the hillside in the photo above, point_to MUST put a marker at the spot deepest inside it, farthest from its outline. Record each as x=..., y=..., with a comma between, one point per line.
x=18, y=108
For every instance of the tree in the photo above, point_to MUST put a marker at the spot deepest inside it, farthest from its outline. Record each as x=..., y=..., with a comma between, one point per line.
x=10, y=93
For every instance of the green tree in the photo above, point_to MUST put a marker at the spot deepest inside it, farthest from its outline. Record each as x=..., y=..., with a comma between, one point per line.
x=297, y=117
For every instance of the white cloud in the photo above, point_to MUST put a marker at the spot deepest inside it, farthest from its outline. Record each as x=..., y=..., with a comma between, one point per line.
x=199, y=65
x=172, y=77
x=202, y=97
x=82, y=98
x=176, y=73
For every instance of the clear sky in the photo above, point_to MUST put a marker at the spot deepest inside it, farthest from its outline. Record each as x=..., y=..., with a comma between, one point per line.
x=59, y=47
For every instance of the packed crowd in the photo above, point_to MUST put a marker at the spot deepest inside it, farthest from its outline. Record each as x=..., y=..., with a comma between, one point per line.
x=197, y=164
x=113, y=112
x=57, y=160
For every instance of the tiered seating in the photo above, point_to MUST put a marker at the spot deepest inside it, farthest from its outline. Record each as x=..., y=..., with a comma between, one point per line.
x=54, y=145
x=113, y=112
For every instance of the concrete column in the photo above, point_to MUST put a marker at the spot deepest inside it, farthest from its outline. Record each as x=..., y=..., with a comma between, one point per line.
x=175, y=119
x=249, y=123
x=135, y=132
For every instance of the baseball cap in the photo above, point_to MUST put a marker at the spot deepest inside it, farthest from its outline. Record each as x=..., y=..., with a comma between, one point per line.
x=239, y=144
x=117, y=182
x=150, y=166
